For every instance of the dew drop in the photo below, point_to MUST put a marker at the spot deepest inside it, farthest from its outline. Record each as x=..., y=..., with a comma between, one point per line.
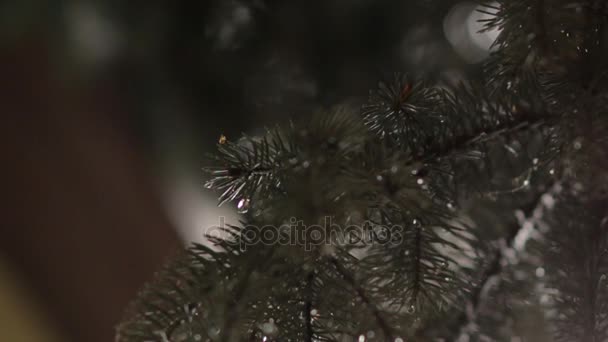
x=379, y=178
x=545, y=299
x=269, y=328
x=243, y=205
x=540, y=272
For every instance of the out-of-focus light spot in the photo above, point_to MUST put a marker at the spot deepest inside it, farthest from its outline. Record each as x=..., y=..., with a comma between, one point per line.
x=420, y=48
x=95, y=38
x=240, y=17
x=194, y=212
x=544, y=299
x=462, y=29
x=540, y=272
x=485, y=39
x=548, y=201
x=233, y=23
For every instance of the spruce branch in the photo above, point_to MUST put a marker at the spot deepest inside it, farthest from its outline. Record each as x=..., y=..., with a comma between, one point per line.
x=251, y=167
x=402, y=111
x=461, y=143
x=409, y=163
x=352, y=282
x=459, y=119
x=576, y=251
x=255, y=169
x=515, y=238
x=235, y=303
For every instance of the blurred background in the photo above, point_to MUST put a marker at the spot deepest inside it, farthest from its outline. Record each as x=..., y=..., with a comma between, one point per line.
x=108, y=108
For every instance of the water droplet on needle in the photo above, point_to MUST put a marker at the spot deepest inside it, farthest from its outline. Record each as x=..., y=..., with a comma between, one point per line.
x=243, y=206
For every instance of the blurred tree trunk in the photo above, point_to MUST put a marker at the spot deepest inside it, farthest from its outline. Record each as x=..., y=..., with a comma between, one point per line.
x=80, y=216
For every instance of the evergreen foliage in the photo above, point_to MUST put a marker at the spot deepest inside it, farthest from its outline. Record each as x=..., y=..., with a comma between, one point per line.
x=451, y=213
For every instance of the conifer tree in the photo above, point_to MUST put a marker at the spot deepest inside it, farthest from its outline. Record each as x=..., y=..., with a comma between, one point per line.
x=475, y=212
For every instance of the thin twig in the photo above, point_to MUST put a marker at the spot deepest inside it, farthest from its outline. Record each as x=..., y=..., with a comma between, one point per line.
x=523, y=121
x=308, y=332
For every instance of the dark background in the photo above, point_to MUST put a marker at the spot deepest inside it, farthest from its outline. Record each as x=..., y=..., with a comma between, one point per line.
x=108, y=108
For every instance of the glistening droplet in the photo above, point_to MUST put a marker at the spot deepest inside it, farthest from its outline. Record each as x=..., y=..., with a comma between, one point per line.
x=243, y=205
